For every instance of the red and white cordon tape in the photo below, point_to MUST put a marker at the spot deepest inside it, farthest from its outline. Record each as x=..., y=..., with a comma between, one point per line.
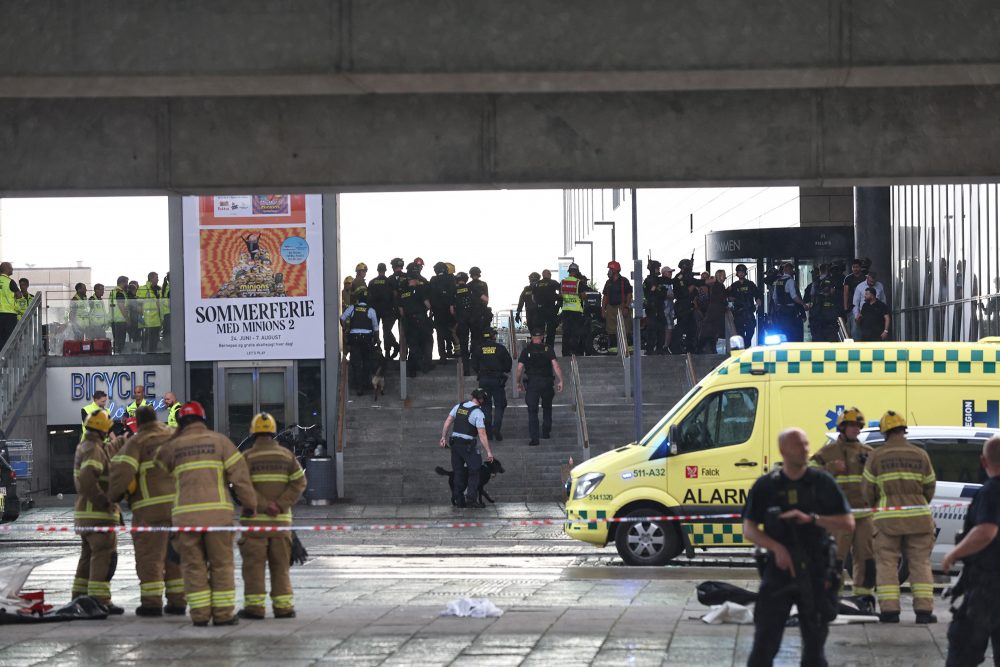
x=345, y=528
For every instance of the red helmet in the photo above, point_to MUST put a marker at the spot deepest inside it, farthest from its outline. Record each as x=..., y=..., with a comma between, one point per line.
x=191, y=409
x=615, y=266
x=419, y=261
x=131, y=424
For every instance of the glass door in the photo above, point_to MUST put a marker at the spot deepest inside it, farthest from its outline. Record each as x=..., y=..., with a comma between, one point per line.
x=249, y=390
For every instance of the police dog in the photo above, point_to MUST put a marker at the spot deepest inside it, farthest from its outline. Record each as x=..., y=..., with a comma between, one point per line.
x=487, y=471
x=378, y=373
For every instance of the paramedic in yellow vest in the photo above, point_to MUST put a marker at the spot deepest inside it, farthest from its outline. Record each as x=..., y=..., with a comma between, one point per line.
x=203, y=464
x=98, y=313
x=899, y=474
x=279, y=481
x=118, y=305
x=150, y=493
x=149, y=296
x=845, y=459
x=79, y=313
x=165, y=310
x=24, y=299
x=573, y=287
x=98, y=555
x=138, y=400
x=173, y=407
x=9, y=294
x=99, y=402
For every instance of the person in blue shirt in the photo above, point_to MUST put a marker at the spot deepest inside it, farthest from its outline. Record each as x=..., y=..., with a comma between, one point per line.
x=361, y=323
x=469, y=423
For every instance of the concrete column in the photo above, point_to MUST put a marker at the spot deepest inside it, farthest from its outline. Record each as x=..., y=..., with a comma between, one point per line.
x=175, y=241
x=824, y=207
x=873, y=232
x=331, y=325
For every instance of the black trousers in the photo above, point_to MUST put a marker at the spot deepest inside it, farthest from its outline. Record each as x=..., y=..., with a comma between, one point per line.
x=770, y=613
x=416, y=327
x=7, y=323
x=655, y=332
x=531, y=318
x=464, y=330
x=549, y=319
x=686, y=332
x=573, y=333
x=388, y=319
x=118, y=330
x=746, y=324
x=466, y=462
x=539, y=390
x=361, y=350
x=973, y=626
x=444, y=322
x=788, y=323
x=495, y=403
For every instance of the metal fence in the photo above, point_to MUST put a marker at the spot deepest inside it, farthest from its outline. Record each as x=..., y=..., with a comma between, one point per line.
x=20, y=358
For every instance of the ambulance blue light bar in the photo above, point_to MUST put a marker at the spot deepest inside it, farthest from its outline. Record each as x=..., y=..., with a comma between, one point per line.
x=775, y=339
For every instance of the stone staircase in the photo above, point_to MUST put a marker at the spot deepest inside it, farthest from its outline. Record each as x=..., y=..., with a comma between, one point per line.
x=391, y=447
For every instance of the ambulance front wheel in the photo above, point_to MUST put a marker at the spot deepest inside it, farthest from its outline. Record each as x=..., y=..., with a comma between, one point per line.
x=646, y=542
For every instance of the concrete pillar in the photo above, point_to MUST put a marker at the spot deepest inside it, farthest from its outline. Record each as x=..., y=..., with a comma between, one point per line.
x=825, y=207
x=873, y=232
x=331, y=324
x=175, y=242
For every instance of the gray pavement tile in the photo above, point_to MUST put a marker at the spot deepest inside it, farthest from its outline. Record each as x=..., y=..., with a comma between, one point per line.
x=486, y=661
x=631, y=658
x=285, y=662
x=698, y=656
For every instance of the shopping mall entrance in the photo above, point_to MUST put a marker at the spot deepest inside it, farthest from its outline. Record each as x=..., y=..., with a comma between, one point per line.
x=247, y=390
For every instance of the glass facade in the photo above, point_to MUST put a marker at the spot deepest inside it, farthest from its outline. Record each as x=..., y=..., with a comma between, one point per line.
x=944, y=249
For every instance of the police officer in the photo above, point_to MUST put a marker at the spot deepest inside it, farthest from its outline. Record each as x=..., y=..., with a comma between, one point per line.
x=976, y=618
x=653, y=302
x=746, y=300
x=413, y=307
x=98, y=554
x=899, y=474
x=787, y=303
x=150, y=494
x=798, y=506
x=427, y=353
x=572, y=288
x=527, y=301
x=480, y=300
x=382, y=297
x=442, y=298
x=470, y=424
x=538, y=361
x=278, y=480
x=822, y=305
x=361, y=323
x=463, y=318
x=203, y=463
x=491, y=361
x=685, y=337
x=397, y=281
x=845, y=459
x=546, y=296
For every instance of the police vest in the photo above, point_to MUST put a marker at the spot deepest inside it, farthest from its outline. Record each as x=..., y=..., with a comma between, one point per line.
x=478, y=289
x=463, y=420
x=165, y=299
x=172, y=415
x=527, y=295
x=490, y=363
x=410, y=301
x=538, y=364
x=545, y=295
x=442, y=291
x=570, y=287
x=781, y=295
x=98, y=316
x=463, y=299
x=117, y=294
x=744, y=294
x=359, y=318
x=8, y=304
x=380, y=292
x=79, y=310
x=150, y=305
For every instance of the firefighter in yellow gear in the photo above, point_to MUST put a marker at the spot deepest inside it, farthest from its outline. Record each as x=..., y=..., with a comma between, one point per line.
x=845, y=459
x=98, y=556
x=203, y=462
x=150, y=493
x=899, y=474
x=279, y=482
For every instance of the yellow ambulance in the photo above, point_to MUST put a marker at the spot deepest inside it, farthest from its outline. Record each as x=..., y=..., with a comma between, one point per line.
x=706, y=452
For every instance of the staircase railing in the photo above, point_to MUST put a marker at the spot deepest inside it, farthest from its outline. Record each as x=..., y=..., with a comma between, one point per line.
x=623, y=352
x=20, y=357
x=341, y=418
x=842, y=333
x=582, y=433
x=403, y=353
x=692, y=377
x=512, y=348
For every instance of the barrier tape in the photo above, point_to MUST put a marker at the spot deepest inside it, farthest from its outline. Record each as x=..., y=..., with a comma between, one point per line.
x=345, y=528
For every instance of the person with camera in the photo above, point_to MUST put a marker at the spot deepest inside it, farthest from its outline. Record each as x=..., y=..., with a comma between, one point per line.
x=789, y=515
x=845, y=459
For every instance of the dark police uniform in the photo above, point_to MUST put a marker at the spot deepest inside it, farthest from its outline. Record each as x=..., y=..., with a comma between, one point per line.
x=786, y=317
x=382, y=297
x=442, y=298
x=823, y=312
x=686, y=331
x=977, y=619
x=491, y=361
x=539, y=386
x=463, y=327
x=745, y=294
x=547, y=299
x=466, y=460
x=527, y=302
x=396, y=281
x=360, y=339
x=415, y=324
x=653, y=293
x=812, y=551
x=480, y=320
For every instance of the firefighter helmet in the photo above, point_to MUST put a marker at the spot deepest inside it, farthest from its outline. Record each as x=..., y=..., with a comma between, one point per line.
x=850, y=416
x=263, y=423
x=891, y=420
x=99, y=420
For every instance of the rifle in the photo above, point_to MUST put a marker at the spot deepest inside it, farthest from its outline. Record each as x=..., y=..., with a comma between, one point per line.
x=817, y=610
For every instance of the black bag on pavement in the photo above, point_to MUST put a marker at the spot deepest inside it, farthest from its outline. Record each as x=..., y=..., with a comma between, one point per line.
x=718, y=592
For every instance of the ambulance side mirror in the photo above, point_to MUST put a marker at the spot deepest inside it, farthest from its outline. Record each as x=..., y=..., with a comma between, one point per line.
x=675, y=436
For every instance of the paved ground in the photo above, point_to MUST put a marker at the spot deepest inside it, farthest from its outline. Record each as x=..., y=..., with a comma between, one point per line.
x=375, y=598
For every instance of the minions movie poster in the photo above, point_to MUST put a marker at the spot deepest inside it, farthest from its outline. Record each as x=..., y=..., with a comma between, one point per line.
x=253, y=277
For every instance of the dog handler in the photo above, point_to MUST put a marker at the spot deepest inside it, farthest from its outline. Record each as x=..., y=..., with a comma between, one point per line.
x=469, y=422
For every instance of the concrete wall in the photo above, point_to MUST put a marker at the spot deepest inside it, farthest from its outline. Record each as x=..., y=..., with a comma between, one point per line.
x=30, y=423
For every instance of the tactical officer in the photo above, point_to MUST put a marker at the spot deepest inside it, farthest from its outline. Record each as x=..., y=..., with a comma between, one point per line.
x=203, y=463
x=397, y=281
x=572, y=288
x=685, y=337
x=845, y=460
x=427, y=353
x=466, y=460
x=653, y=298
x=463, y=318
x=538, y=361
x=361, y=323
x=442, y=298
x=787, y=304
x=150, y=493
x=382, y=297
x=899, y=474
x=98, y=554
x=821, y=302
x=413, y=307
x=278, y=481
x=491, y=361
x=616, y=297
x=527, y=301
x=547, y=299
x=480, y=300
x=797, y=505
x=976, y=616
x=746, y=300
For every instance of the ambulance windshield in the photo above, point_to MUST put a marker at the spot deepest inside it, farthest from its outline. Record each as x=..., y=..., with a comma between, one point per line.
x=659, y=432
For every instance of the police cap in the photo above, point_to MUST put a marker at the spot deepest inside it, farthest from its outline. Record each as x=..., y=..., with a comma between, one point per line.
x=489, y=332
x=537, y=333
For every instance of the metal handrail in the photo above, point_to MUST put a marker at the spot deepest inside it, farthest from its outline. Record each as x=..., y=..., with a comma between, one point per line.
x=341, y=430
x=403, y=353
x=582, y=432
x=512, y=348
x=20, y=357
x=692, y=377
x=842, y=330
x=623, y=352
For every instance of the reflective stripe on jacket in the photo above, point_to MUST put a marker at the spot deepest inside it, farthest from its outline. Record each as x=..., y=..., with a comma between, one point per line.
x=853, y=455
x=900, y=474
x=90, y=477
x=153, y=497
x=277, y=477
x=571, y=297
